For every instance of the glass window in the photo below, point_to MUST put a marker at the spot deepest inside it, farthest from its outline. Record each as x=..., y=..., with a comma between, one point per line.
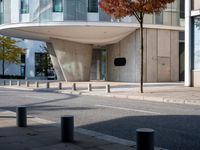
x=182, y=9
x=24, y=6
x=43, y=65
x=57, y=6
x=196, y=49
x=1, y=11
x=92, y=5
x=75, y=10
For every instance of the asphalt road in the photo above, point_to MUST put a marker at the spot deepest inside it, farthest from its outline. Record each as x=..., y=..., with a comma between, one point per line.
x=177, y=126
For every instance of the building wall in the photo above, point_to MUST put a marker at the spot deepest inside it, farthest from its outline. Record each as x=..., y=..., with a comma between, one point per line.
x=161, y=57
x=74, y=59
x=77, y=10
x=195, y=4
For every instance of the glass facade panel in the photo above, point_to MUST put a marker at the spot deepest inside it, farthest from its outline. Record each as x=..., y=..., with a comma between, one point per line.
x=196, y=49
x=159, y=18
x=34, y=10
x=45, y=10
x=75, y=10
x=24, y=6
x=57, y=5
x=1, y=12
x=93, y=6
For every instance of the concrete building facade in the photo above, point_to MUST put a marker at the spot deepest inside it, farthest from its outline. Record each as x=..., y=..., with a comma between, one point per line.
x=192, y=43
x=86, y=44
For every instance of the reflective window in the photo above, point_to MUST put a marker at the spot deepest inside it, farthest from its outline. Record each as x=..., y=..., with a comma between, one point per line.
x=196, y=49
x=92, y=5
x=1, y=11
x=43, y=65
x=75, y=10
x=24, y=6
x=57, y=6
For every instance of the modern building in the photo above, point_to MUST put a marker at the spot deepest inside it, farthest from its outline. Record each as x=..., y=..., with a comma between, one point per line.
x=86, y=44
x=192, y=43
x=31, y=66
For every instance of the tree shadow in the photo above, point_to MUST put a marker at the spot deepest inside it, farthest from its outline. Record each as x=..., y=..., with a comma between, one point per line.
x=173, y=132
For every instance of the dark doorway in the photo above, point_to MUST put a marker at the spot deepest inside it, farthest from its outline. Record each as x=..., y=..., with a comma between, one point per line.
x=99, y=64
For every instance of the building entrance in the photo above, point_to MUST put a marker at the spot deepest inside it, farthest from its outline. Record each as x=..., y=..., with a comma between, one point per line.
x=99, y=65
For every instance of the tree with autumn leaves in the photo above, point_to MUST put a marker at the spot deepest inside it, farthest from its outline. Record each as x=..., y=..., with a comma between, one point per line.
x=137, y=8
x=9, y=52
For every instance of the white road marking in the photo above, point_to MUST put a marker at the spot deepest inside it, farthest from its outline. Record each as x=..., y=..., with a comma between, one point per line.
x=38, y=97
x=128, y=109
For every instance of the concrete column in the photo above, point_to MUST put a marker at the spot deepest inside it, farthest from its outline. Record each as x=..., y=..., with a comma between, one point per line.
x=74, y=59
x=188, y=68
x=55, y=63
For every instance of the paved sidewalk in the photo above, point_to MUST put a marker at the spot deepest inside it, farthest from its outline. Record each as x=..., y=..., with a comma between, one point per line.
x=160, y=92
x=45, y=135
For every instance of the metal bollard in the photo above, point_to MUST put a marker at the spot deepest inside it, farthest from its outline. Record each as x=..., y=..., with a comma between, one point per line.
x=67, y=129
x=59, y=85
x=74, y=87
x=108, y=88
x=47, y=85
x=21, y=116
x=27, y=83
x=4, y=82
x=18, y=83
x=145, y=139
x=36, y=84
x=89, y=87
x=10, y=82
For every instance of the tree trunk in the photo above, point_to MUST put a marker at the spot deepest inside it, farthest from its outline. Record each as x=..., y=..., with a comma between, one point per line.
x=3, y=63
x=141, y=54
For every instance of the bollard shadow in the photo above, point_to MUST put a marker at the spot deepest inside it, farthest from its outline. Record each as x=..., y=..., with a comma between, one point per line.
x=174, y=132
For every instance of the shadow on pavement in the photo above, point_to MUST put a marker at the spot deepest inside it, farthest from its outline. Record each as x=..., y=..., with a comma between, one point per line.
x=172, y=132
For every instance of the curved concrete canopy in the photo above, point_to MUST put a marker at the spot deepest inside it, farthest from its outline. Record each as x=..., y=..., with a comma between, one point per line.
x=98, y=33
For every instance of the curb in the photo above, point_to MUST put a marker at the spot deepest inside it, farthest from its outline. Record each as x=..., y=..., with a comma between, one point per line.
x=170, y=100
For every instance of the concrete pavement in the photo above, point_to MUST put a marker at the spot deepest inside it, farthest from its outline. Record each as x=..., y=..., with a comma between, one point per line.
x=176, y=125
x=159, y=92
x=45, y=135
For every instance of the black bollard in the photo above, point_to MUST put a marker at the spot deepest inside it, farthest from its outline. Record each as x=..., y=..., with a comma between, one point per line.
x=27, y=83
x=21, y=116
x=4, y=82
x=59, y=85
x=74, y=87
x=18, y=83
x=89, y=87
x=10, y=83
x=47, y=85
x=67, y=129
x=108, y=88
x=145, y=139
x=36, y=84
